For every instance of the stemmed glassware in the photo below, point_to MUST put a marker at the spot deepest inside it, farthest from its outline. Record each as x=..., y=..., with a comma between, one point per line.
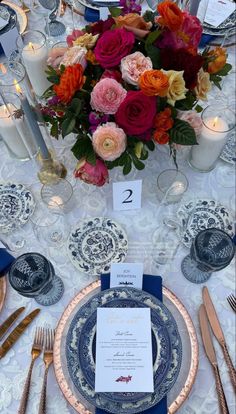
x=48, y=9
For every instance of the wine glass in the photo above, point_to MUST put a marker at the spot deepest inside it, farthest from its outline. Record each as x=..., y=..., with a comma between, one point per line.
x=48, y=10
x=33, y=276
x=212, y=250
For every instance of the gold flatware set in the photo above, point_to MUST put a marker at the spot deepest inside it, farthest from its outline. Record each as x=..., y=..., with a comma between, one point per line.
x=208, y=316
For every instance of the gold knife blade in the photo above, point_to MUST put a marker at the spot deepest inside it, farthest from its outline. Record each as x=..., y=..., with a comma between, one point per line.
x=17, y=332
x=206, y=336
x=212, y=316
x=9, y=321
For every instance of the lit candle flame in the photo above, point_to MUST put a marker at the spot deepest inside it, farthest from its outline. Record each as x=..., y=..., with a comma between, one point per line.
x=17, y=86
x=3, y=68
x=215, y=121
x=31, y=46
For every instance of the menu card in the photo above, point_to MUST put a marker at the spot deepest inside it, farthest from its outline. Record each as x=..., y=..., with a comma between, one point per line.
x=123, y=350
x=218, y=11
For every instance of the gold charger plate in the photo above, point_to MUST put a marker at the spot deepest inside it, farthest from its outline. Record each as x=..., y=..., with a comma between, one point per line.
x=3, y=288
x=187, y=375
x=21, y=16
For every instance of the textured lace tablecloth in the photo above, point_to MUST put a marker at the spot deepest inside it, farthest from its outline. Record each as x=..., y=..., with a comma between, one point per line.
x=139, y=225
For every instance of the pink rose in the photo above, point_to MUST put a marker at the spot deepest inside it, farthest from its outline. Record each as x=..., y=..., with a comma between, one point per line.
x=73, y=36
x=112, y=46
x=92, y=174
x=55, y=56
x=193, y=119
x=107, y=96
x=109, y=141
x=75, y=54
x=113, y=74
x=132, y=66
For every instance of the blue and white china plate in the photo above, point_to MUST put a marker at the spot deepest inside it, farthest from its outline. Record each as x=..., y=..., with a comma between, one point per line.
x=161, y=349
x=16, y=206
x=197, y=215
x=20, y=15
x=4, y=16
x=221, y=30
x=113, y=404
x=12, y=18
x=95, y=243
x=229, y=152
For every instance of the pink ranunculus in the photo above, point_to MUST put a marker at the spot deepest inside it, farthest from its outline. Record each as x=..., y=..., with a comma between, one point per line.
x=109, y=141
x=112, y=74
x=73, y=36
x=112, y=46
x=92, y=174
x=193, y=119
x=132, y=66
x=107, y=96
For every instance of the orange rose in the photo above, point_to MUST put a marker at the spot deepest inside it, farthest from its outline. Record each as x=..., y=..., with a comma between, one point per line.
x=90, y=57
x=218, y=59
x=161, y=137
x=132, y=20
x=171, y=15
x=154, y=82
x=163, y=120
x=71, y=81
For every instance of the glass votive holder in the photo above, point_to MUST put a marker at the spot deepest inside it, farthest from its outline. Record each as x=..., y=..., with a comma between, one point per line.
x=171, y=185
x=217, y=123
x=14, y=128
x=58, y=195
x=33, y=48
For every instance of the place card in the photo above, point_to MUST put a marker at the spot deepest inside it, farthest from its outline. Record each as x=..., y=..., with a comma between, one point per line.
x=127, y=275
x=123, y=350
x=218, y=11
x=127, y=195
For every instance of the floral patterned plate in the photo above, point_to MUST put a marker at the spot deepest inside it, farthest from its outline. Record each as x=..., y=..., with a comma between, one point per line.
x=94, y=244
x=16, y=206
x=229, y=151
x=197, y=215
x=161, y=317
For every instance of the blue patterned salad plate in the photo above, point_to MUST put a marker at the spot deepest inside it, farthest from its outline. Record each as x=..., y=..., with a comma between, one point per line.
x=80, y=351
x=94, y=244
x=16, y=206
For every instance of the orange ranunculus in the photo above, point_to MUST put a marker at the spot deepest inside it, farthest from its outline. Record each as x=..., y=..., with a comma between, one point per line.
x=218, y=59
x=132, y=20
x=71, y=81
x=171, y=15
x=90, y=57
x=154, y=82
x=163, y=120
x=161, y=136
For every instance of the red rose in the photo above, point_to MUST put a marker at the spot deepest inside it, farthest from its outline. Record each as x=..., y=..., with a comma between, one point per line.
x=136, y=113
x=112, y=74
x=101, y=26
x=112, y=46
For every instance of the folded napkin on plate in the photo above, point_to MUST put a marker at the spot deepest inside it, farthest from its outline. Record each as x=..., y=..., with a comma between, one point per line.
x=152, y=285
x=5, y=261
x=91, y=15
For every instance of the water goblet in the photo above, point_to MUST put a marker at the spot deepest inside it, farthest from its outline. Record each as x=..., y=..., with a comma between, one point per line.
x=33, y=276
x=212, y=250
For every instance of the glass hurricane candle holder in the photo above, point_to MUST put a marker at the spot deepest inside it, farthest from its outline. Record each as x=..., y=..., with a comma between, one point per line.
x=217, y=123
x=171, y=185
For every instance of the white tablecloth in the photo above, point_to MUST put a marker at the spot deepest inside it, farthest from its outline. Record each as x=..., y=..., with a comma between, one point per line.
x=140, y=226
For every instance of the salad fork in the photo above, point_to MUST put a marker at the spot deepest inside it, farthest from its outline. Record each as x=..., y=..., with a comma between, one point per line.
x=35, y=352
x=48, y=359
x=232, y=301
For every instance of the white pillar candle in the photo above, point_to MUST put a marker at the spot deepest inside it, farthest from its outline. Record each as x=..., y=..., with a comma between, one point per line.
x=12, y=133
x=211, y=142
x=35, y=60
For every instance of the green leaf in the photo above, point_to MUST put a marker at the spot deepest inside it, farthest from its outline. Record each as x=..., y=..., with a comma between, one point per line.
x=225, y=70
x=149, y=16
x=154, y=54
x=83, y=147
x=91, y=158
x=128, y=166
x=122, y=159
x=115, y=11
x=67, y=126
x=150, y=145
x=76, y=106
x=138, y=164
x=152, y=37
x=198, y=108
x=144, y=154
x=182, y=133
x=54, y=130
x=187, y=103
x=55, y=79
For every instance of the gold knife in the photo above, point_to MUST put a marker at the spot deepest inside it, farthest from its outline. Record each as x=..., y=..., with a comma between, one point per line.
x=210, y=351
x=17, y=332
x=217, y=330
x=9, y=321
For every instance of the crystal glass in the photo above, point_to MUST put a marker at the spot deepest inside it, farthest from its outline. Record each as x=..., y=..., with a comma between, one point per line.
x=58, y=195
x=212, y=250
x=217, y=122
x=171, y=185
x=48, y=9
x=33, y=276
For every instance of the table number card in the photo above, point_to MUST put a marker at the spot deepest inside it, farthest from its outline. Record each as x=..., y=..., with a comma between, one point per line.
x=127, y=195
x=123, y=350
x=127, y=275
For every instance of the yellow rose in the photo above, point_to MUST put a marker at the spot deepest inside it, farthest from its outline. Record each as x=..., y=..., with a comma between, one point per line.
x=203, y=85
x=87, y=40
x=176, y=90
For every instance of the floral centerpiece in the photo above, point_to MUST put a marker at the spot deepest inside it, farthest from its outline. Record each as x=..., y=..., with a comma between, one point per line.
x=128, y=83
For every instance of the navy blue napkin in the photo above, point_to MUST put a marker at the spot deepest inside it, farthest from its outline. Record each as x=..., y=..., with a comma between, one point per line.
x=6, y=260
x=152, y=285
x=91, y=15
x=205, y=39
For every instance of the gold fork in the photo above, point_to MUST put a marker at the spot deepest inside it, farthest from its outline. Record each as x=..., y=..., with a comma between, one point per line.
x=48, y=359
x=35, y=352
